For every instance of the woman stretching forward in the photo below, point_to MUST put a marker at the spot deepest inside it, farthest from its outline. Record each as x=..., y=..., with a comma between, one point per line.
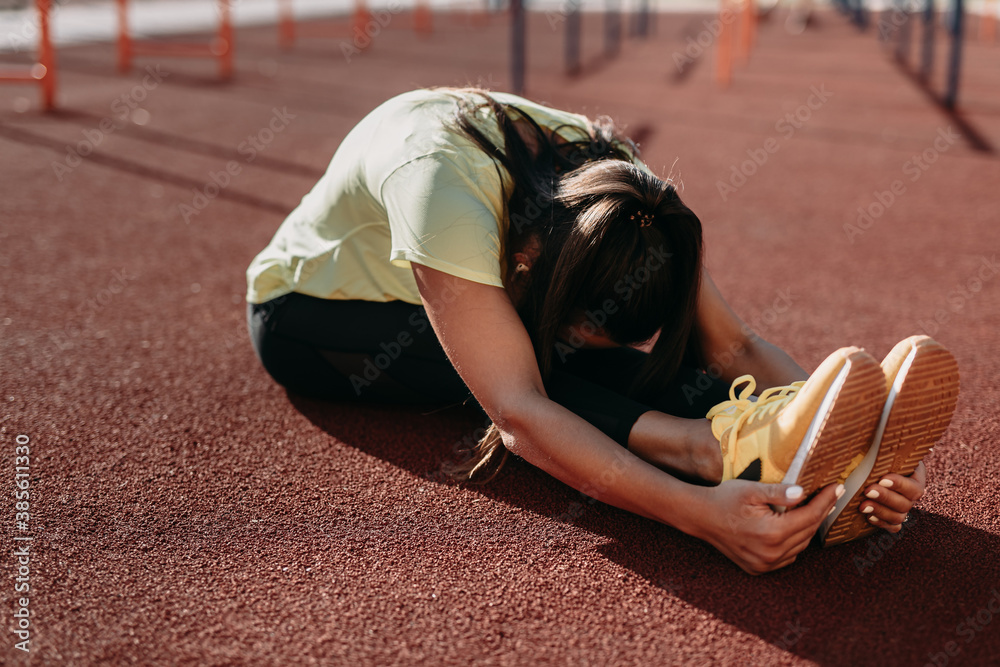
x=464, y=240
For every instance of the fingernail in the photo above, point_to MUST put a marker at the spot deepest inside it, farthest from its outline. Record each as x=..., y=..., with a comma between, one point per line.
x=840, y=490
x=872, y=494
x=887, y=483
x=868, y=510
x=873, y=519
x=793, y=492
x=831, y=510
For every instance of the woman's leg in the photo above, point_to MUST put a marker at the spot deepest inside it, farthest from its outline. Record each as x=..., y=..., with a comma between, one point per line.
x=667, y=429
x=352, y=350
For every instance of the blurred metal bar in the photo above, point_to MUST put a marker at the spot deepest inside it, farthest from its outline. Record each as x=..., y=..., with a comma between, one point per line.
x=612, y=27
x=927, y=55
x=747, y=29
x=124, y=40
x=724, y=47
x=223, y=43
x=903, y=41
x=286, y=24
x=988, y=22
x=574, y=23
x=955, y=57
x=220, y=48
x=47, y=56
x=517, y=46
x=858, y=14
x=640, y=20
x=43, y=71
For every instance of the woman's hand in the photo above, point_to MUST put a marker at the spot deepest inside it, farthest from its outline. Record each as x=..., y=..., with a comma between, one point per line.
x=740, y=523
x=893, y=497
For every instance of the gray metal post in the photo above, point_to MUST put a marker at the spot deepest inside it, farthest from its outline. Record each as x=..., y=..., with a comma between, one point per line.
x=517, y=46
x=859, y=15
x=642, y=19
x=927, y=56
x=955, y=59
x=903, y=45
x=612, y=27
x=574, y=21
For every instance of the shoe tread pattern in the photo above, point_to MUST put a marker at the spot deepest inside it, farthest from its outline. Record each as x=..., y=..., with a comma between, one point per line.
x=920, y=415
x=848, y=427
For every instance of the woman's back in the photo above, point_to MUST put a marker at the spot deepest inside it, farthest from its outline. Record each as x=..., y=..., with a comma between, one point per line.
x=403, y=185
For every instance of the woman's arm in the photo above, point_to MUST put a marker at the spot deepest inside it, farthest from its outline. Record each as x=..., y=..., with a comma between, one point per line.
x=487, y=343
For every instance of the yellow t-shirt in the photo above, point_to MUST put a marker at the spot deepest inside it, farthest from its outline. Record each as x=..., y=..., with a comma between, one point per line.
x=402, y=187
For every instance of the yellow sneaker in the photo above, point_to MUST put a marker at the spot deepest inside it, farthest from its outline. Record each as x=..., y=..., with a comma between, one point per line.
x=921, y=379
x=806, y=433
x=744, y=462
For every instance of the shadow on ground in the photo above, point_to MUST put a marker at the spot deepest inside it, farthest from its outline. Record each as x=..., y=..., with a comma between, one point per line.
x=812, y=608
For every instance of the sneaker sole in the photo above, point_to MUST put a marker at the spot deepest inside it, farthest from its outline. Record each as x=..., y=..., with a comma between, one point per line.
x=843, y=425
x=916, y=414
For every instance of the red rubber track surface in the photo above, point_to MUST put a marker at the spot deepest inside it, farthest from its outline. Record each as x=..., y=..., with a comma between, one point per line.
x=187, y=510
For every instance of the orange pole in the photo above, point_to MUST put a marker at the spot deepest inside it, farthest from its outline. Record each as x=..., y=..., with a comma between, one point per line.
x=286, y=29
x=221, y=48
x=481, y=16
x=747, y=27
x=47, y=57
x=124, y=42
x=225, y=41
x=988, y=23
x=359, y=23
x=724, y=50
x=423, y=21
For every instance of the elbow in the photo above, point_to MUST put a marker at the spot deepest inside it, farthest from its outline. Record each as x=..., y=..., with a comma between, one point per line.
x=516, y=419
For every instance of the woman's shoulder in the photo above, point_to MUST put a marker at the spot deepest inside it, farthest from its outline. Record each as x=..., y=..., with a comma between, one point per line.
x=420, y=122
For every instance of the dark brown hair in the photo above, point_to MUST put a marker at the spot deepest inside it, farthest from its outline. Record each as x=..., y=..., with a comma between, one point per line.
x=615, y=241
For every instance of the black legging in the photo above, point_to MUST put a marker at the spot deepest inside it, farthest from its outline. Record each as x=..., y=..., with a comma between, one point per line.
x=348, y=350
